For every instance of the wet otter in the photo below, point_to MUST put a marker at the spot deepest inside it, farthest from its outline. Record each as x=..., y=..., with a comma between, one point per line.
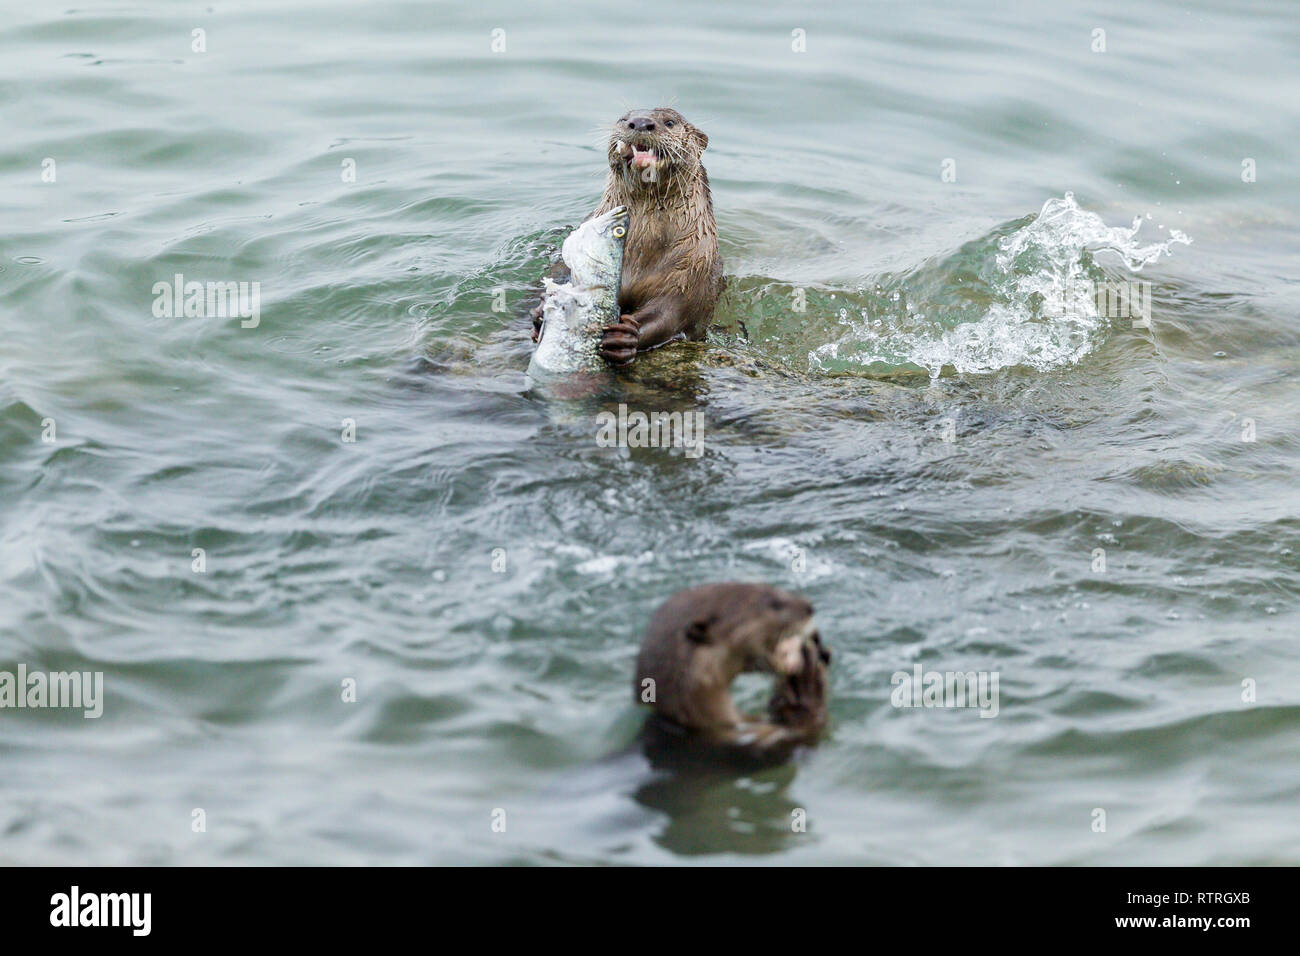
x=700, y=639
x=672, y=272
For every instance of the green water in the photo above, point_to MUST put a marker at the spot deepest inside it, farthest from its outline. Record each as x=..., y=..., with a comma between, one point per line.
x=483, y=569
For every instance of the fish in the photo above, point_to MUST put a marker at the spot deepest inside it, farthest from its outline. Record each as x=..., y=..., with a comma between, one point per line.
x=575, y=313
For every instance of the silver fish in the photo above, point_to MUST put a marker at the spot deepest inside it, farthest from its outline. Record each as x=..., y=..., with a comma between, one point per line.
x=575, y=313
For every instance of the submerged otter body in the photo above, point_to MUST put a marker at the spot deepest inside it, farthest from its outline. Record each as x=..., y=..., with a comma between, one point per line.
x=702, y=638
x=672, y=271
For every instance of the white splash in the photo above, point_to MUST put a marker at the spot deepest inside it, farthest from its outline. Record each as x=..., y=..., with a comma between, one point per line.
x=1043, y=312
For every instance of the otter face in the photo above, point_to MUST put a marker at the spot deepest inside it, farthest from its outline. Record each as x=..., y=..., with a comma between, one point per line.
x=774, y=636
x=761, y=628
x=649, y=146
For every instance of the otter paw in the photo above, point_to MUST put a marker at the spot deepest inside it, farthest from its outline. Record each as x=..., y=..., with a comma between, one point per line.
x=618, y=345
x=536, y=315
x=799, y=700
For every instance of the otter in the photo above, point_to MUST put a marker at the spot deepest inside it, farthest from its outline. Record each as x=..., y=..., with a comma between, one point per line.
x=700, y=639
x=672, y=271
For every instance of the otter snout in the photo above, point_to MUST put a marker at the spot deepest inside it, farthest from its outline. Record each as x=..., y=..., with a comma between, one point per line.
x=641, y=122
x=787, y=656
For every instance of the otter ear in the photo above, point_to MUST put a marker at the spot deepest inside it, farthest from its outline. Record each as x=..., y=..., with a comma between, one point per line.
x=697, y=632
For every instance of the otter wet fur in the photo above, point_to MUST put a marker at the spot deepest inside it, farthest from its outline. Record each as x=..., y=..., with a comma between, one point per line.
x=672, y=270
x=702, y=638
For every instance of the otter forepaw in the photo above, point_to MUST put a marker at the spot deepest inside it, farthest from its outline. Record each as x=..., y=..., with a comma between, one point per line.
x=536, y=316
x=799, y=700
x=619, y=344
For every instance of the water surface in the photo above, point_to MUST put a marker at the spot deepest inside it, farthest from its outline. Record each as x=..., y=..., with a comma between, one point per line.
x=933, y=451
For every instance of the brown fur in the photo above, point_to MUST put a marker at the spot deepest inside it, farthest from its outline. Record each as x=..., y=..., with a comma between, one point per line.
x=700, y=639
x=672, y=271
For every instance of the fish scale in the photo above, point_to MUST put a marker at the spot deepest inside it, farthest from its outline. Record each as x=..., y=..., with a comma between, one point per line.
x=575, y=313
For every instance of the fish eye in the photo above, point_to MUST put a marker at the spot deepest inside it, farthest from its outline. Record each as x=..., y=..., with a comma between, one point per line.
x=619, y=232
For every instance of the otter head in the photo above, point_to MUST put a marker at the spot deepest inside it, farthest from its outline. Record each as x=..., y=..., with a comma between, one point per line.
x=764, y=628
x=650, y=147
x=700, y=639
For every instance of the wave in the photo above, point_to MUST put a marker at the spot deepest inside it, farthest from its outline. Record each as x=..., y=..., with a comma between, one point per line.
x=1023, y=296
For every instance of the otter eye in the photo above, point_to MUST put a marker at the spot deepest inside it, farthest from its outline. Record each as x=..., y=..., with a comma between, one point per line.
x=669, y=123
x=619, y=232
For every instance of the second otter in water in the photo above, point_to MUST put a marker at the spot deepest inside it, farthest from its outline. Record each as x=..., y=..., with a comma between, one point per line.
x=672, y=271
x=702, y=638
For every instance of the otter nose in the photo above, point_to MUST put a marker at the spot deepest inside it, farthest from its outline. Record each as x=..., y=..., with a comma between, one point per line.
x=641, y=124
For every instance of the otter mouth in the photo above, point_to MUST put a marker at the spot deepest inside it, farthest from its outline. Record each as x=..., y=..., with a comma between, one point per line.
x=641, y=157
x=639, y=154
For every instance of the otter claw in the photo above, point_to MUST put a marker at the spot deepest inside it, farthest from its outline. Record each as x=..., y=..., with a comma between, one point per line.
x=619, y=344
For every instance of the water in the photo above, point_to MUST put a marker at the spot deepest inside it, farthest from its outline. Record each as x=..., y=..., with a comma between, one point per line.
x=934, y=310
